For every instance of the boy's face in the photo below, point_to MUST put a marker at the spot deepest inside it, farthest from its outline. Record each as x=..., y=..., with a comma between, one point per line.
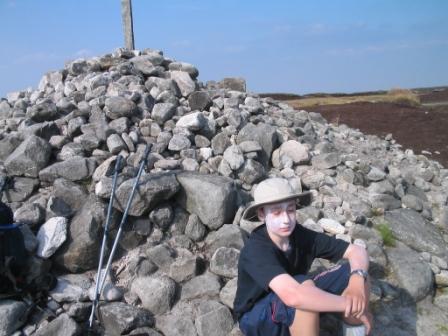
x=280, y=218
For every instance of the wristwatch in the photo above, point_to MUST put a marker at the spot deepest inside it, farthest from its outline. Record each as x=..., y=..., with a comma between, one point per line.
x=360, y=272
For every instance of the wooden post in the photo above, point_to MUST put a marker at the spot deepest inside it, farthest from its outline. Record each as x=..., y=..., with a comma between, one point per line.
x=126, y=14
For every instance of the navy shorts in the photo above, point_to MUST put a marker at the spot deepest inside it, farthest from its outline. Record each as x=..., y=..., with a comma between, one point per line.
x=270, y=316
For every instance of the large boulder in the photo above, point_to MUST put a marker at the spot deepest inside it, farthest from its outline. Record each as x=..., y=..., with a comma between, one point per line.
x=152, y=190
x=214, y=319
x=29, y=158
x=80, y=250
x=61, y=323
x=156, y=293
x=120, y=318
x=75, y=169
x=412, y=229
x=213, y=198
x=264, y=134
x=44, y=111
x=406, y=264
x=117, y=107
x=12, y=315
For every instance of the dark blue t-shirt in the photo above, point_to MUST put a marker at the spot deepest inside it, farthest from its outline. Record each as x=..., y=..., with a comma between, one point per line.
x=261, y=260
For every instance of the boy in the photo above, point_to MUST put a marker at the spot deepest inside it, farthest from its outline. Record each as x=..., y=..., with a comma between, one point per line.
x=274, y=295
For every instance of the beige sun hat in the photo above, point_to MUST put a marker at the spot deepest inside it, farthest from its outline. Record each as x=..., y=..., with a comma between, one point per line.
x=273, y=190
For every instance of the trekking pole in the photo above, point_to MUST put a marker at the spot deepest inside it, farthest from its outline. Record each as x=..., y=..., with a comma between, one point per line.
x=105, y=235
x=143, y=163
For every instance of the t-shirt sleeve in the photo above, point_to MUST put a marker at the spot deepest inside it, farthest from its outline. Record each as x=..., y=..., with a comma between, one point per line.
x=327, y=247
x=262, y=264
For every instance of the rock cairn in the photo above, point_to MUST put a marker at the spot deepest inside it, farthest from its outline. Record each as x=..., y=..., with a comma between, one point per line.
x=176, y=273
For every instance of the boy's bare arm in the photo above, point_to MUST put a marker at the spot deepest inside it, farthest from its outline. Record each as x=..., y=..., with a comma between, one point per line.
x=356, y=290
x=306, y=297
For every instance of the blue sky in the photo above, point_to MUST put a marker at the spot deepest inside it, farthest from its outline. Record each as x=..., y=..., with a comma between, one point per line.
x=277, y=46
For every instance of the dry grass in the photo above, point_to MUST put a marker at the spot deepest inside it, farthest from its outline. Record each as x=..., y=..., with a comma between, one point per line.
x=395, y=96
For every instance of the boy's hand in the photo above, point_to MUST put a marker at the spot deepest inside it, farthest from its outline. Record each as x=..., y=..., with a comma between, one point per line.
x=356, y=298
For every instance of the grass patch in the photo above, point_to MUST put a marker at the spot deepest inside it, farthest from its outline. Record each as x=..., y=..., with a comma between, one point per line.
x=443, y=328
x=386, y=234
x=401, y=97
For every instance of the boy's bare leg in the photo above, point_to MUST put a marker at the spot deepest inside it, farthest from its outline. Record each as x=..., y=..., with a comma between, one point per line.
x=305, y=323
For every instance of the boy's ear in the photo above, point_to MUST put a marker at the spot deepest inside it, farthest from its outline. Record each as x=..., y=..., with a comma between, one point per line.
x=261, y=214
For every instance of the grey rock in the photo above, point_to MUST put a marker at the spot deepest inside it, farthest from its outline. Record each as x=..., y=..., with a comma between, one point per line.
x=179, y=142
x=212, y=198
x=163, y=112
x=71, y=193
x=376, y=174
x=195, y=230
x=174, y=325
x=233, y=83
x=167, y=164
x=193, y=121
x=29, y=158
x=62, y=322
x=161, y=255
x=117, y=107
x=12, y=316
x=228, y=292
x=184, y=268
x=264, y=134
x=70, y=150
x=75, y=169
x=234, y=157
x=120, y=125
x=199, y=140
x=80, y=251
x=156, y=293
x=229, y=235
x=326, y=161
x=217, y=322
x=206, y=285
x=412, y=229
x=199, y=100
x=88, y=142
x=250, y=146
x=74, y=126
x=384, y=201
x=406, y=263
x=331, y=226
x=8, y=143
x=251, y=172
x=120, y=318
x=51, y=236
x=296, y=151
x=189, y=164
x=115, y=144
x=66, y=291
x=22, y=188
x=56, y=207
x=412, y=202
x=183, y=66
x=162, y=216
x=44, y=111
x=184, y=82
x=219, y=143
x=442, y=279
x=224, y=262
x=152, y=190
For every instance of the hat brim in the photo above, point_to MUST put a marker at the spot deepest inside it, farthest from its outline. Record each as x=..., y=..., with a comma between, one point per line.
x=251, y=211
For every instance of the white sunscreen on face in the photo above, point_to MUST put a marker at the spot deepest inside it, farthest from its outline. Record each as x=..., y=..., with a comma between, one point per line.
x=276, y=221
